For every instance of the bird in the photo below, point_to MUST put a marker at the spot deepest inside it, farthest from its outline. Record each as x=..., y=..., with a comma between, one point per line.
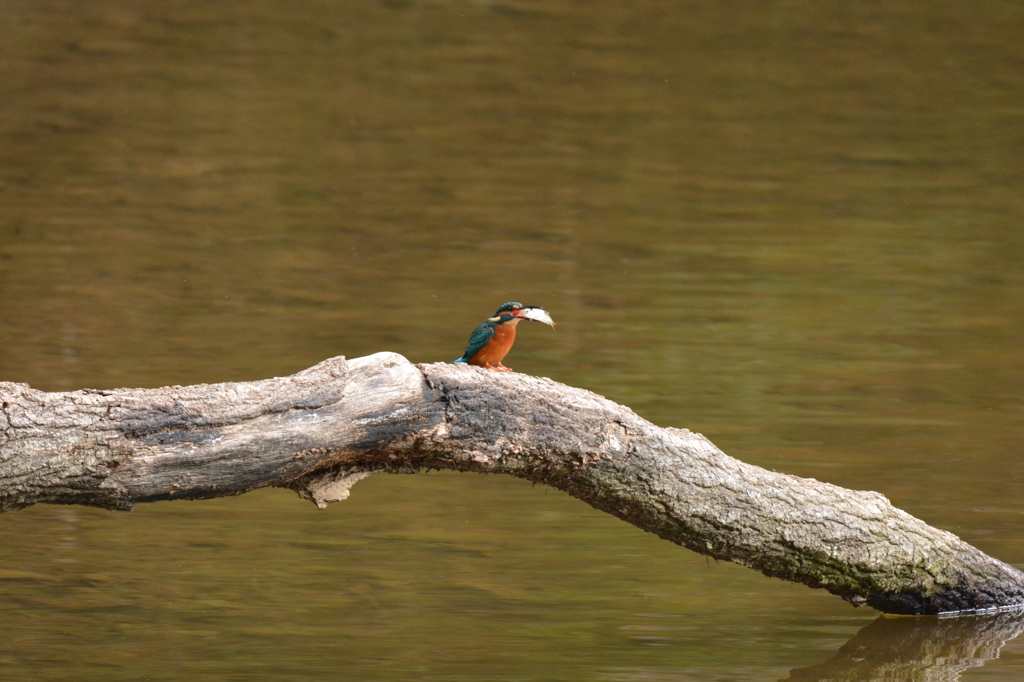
x=491, y=341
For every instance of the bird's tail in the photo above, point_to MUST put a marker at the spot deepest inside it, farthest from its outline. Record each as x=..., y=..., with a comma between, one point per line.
x=462, y=359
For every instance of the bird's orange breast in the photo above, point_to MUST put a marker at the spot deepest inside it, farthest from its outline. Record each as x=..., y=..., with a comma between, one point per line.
x=497, y=348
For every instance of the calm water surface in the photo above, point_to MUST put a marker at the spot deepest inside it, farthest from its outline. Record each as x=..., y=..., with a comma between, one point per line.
x=793, y=227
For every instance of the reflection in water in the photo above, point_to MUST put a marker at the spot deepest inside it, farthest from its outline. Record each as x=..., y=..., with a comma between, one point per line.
x=932, y=649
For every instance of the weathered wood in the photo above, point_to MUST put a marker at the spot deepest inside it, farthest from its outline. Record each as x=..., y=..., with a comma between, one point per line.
x=321, y=430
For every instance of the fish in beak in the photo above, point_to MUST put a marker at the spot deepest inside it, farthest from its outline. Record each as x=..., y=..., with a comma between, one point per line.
x=537, y=314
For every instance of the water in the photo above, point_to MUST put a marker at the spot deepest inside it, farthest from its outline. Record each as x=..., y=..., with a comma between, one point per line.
x=794, y=228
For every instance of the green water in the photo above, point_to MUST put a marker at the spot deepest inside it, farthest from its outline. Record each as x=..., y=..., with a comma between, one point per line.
x=794, y=227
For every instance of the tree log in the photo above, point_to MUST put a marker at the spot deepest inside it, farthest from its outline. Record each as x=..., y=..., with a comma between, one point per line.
x=321, y=430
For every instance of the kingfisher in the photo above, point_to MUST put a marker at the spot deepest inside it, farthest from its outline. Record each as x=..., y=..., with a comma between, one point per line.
x=493, y=338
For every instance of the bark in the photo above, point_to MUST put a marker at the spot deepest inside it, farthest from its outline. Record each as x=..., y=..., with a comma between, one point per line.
x=321, y=430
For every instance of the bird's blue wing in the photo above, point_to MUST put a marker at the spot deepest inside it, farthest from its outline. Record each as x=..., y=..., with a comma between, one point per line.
x=481, y=335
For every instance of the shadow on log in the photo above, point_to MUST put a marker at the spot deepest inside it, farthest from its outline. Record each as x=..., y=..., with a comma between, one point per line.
x=321, y=430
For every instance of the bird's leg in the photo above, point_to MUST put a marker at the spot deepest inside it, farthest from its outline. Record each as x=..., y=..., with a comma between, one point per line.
x=496, y=369
x=503, y=368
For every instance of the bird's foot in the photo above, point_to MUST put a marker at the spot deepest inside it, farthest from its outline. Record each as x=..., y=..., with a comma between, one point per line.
x=499, y=368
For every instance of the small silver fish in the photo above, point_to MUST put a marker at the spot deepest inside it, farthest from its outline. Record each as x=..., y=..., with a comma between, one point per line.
x=538, y=315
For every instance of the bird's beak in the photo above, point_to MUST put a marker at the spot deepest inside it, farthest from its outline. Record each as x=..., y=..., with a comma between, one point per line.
x=535, y=313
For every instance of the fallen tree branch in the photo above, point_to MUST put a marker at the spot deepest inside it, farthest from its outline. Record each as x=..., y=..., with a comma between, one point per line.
x=321, y=430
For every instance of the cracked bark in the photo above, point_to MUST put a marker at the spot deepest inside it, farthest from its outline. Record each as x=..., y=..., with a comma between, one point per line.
x=321, y=430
